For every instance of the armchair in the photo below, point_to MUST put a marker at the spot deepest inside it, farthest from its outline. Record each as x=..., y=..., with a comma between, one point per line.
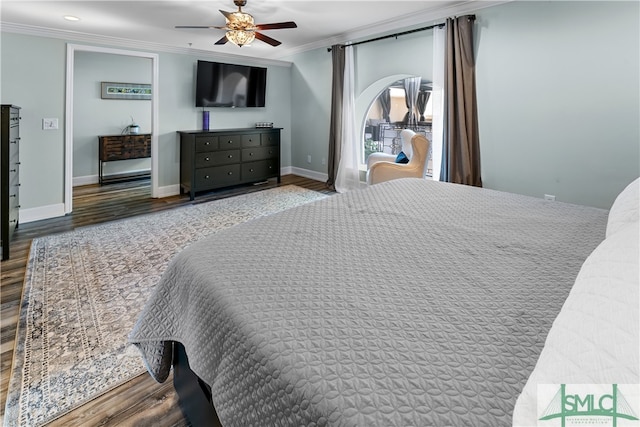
x=382, y=167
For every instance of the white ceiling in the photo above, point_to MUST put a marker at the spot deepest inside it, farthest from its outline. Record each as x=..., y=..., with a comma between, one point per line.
x=150, y=23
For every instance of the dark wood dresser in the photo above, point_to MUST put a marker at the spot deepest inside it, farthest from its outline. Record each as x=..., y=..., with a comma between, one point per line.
x=122, y=147
x=9, y=174
x=222, y=158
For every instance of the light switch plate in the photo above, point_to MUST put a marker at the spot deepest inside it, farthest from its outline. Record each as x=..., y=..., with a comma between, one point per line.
x=49, y=124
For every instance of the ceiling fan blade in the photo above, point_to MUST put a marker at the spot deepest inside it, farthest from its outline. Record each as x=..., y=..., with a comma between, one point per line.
x=277, y=25
x=267, y=39
x=199, y=26
x=223, y=40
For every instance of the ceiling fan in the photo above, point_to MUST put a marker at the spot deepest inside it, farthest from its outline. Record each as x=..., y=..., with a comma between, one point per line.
x=242, y=30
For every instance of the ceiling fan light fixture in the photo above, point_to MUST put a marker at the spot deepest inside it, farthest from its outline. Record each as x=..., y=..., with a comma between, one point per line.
x=240, y=21
x=240, y=37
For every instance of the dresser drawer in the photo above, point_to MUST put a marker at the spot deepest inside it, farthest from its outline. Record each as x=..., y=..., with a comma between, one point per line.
x=258, y=153
x=226, y=142
x=252, y=140
x=14, y=159
x=14, y=134
x=206, y=143
x=258, y=171
x=216, y=158
x=218, y=176
x=271, y=138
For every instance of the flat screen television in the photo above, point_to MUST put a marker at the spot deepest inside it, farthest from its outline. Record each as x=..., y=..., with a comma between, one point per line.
x=229, y=85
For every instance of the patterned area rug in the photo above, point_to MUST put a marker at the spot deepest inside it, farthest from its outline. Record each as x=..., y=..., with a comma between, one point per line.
x=84, y=290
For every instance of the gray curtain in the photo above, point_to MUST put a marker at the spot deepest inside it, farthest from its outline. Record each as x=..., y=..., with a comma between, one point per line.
x=461, y=150
x=335, y=130
x=385, y=103
x=423, y=99
x=411, y=89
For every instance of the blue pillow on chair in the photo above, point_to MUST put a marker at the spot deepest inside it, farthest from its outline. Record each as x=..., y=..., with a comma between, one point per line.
x=402, y=158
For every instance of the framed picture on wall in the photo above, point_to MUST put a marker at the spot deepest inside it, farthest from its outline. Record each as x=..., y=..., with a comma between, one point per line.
x=112, y=90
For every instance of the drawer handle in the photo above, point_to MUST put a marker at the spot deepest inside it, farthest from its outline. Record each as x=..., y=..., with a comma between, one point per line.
x=13, y=170
x=17, y=163
x=14, y=142
x=13, y=195
x=230, y=156
x=230, y=141
x=207, y=143
x=250, y=170
x=13, y=221
x=250, y=154
x=229, y=173
x=206, y=177
x=206, y=159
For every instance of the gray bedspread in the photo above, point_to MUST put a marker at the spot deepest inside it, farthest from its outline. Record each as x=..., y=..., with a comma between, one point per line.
x=410, y=303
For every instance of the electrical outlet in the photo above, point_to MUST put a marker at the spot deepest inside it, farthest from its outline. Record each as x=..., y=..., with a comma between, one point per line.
x=550, y=197
x=309, y=158
x=49, y=124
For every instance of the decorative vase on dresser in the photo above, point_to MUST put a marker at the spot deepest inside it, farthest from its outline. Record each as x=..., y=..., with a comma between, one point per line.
x=9, y=174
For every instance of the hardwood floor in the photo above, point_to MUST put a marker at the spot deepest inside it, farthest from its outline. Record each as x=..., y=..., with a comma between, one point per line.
x=141, y=401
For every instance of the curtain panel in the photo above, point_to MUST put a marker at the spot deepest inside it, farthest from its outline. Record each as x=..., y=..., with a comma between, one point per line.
x=461, y=150
x=348, y=176
x=421, y=103
x=411, y=90
x=335, y=127
x=385, y=103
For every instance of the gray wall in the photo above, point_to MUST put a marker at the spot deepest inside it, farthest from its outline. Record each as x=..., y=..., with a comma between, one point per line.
x=558, y=96
x=33, y=77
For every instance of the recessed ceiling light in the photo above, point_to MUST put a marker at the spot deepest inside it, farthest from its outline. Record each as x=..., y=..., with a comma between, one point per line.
x=71, y=18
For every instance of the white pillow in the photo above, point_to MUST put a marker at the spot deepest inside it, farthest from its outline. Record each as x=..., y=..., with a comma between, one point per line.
x=596, y=337
x=625, y=209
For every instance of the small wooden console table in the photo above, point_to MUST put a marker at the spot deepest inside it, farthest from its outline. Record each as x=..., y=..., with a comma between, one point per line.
x=122, y=147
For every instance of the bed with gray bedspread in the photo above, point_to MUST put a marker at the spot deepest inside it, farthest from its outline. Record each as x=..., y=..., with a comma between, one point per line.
x=410, y=303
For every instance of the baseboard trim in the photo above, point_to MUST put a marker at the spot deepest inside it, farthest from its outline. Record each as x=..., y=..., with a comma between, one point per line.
x=168, y=191
x=40, y=213
x=95, y=179
x=84, y=180
x=306, y=173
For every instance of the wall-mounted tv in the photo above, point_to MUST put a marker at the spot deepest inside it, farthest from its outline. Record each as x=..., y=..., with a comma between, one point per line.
x=229, y=85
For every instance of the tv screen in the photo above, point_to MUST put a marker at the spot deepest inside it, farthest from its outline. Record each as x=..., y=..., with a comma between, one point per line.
x=230, y=85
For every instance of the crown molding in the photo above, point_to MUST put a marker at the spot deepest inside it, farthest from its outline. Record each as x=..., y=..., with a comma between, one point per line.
x=428, y=17
x=86, y=38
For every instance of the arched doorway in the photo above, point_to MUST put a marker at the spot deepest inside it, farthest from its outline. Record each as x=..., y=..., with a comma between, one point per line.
x=387, y=113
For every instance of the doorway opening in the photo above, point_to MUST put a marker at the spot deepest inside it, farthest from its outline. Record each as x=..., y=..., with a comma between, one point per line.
x=72, y=50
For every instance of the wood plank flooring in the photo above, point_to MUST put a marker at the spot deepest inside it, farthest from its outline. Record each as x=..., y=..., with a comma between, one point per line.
x=141, y=401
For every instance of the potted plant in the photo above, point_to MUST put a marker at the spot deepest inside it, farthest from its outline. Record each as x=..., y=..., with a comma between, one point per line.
x=133, y=128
